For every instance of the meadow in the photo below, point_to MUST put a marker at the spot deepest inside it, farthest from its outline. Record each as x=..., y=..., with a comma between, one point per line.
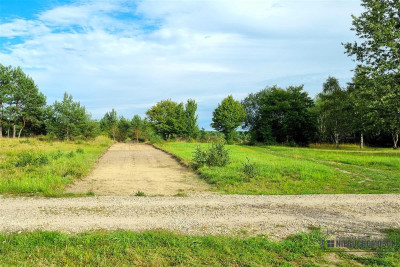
x=161, y=248
x=296, y=170
x=34, y=167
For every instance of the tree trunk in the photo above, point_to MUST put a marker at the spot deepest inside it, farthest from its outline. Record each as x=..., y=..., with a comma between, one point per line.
x=362, y=141
x=337, y=140
x=1, y=131
x=395, y=139
x=23, y=126
x=137, y=137
x=14, y=130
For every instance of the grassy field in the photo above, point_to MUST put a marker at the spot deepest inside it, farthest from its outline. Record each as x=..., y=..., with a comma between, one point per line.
x=287, y=170
x=155, y=248
x=33, y=167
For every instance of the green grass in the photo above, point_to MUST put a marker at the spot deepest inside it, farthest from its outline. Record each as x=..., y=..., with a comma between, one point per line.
x=287, y=170
x=160, y=248
x=34, y=167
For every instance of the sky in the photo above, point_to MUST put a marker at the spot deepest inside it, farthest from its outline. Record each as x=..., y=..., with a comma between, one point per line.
x=129, y=55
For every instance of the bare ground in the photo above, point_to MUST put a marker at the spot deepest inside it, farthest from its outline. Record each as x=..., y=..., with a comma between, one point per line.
x=277, y=216
x=126, y=169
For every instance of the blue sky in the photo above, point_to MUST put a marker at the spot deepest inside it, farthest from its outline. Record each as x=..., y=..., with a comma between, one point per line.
x=129, y=55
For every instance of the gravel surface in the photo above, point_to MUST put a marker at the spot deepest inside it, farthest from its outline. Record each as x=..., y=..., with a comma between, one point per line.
x=276, y=216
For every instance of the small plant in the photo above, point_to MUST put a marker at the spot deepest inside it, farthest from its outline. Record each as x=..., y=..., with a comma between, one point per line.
x=181, y=193
x=90, y=193
x=72, y=172
x=57, y=155
x=80, y=151
x=71, y=154
x=26, y=158
x=217, y=155
x=250, y=170
x=140, y=194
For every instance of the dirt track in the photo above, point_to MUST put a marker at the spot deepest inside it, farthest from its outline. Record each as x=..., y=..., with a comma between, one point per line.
x=277, y=216
x=126, y=169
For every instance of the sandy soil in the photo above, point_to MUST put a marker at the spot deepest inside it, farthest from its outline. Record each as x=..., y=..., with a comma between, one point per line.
x=277, y=216
x=126, y=169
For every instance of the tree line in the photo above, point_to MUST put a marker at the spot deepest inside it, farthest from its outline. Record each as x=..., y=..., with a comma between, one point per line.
x=367, y=109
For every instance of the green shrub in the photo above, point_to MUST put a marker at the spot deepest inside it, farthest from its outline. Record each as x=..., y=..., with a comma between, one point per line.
x=250, y=170
x=57, y=155
x=26, y=158
x=216, y=155
x=71, y=154
x=80, y=151
x=140, y=194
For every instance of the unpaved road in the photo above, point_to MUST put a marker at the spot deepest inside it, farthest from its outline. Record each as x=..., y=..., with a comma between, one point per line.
x=277, y=216
x=127, y=168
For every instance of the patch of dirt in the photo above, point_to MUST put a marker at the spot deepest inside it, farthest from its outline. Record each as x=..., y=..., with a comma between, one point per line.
x=127, y=168
x=275, y=216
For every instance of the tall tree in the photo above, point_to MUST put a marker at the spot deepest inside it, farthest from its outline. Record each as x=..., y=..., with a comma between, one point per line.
x=167, y=118
x=5, y=83
x=192, y=128
x=67, y=118
x=335, y=107
x=227, y=117
x=138, y=126
x=109, y=123
x=378, y=56
x=280, y=115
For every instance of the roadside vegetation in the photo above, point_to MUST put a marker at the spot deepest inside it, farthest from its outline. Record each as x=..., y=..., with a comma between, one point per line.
x=35, y=167
x=155, y=248
x=296, y=170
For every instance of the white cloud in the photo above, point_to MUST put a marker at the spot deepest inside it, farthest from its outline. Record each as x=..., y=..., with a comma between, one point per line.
x=112, y=54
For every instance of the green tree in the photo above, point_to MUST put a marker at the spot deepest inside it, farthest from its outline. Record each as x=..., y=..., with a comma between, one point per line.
x=109, y=122
x=5, y=83
x=378, y=55
x=123, y=128
x=138, y=127
x=192, y=128
x=280, y=115
x=227, y=117
x=67, y=119
x=167, y=118
x=335, y=108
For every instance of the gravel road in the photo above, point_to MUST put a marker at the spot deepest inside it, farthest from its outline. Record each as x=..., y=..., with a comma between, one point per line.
x=276, y=216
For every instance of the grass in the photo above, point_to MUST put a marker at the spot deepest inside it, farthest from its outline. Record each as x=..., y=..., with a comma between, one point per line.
x=161, y=248
x=34, y=167
x=287, y=170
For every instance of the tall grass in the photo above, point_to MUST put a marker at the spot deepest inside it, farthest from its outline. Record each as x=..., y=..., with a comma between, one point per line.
x=286, y=170
x=34, y=167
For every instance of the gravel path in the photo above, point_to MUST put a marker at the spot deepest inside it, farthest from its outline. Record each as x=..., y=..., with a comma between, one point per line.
x=277, y=216
x=127, y=168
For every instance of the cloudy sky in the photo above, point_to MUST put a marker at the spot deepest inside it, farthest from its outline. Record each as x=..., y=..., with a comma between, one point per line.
x=128, y=54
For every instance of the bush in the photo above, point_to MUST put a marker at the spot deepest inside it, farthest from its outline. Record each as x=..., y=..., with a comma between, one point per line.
x=216, y=155
x=26, y=158
x=57, y=155
x=80, y=151
x=250, y=170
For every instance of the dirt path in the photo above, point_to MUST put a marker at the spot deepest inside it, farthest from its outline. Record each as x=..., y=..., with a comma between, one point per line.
x=126, y=169
x=277, y=216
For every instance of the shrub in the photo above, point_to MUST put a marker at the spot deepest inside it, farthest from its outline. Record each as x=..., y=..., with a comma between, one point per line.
x=71, y=154
x=140, y=194
x=216, y=155
x=57, y=155
x=80, y=151
x=26, y=158
x=250, y=170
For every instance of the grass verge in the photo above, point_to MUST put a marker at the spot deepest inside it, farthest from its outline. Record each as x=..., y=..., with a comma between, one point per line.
x=34, y=167
x=160, y=248
x=286, y=170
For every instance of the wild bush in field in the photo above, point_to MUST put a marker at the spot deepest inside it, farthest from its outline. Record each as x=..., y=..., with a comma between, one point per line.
x=80, y=151
x=250, y=169
x=216, y=155
x=31, y=158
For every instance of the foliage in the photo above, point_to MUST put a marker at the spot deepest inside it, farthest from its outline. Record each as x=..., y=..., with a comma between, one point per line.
x=227, y=117
x=276, y=115
x=138, y=127
x=335, y=108
x=123, y=129
x=68, y=119
x=191, y=127
x=108, y=124
x=216, y=155
x=377, y=53
x=250, y=169
x=296, y=170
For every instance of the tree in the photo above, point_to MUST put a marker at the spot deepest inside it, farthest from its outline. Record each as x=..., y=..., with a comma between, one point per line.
x=138, y=126
x=280, y=115
x=192, y=129
x=67, y=119
x=167, y=118
x=5, y=83
x=378, y=57
x=109, y=123
x=335, y=108
x=227, y=117
x=123, y=127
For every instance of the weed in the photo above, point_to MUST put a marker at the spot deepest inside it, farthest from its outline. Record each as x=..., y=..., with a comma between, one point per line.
x=216, y=155
x=31, y=158
x=80, y=151
x=71, y=154
x=250, y=170
x=140, y=194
